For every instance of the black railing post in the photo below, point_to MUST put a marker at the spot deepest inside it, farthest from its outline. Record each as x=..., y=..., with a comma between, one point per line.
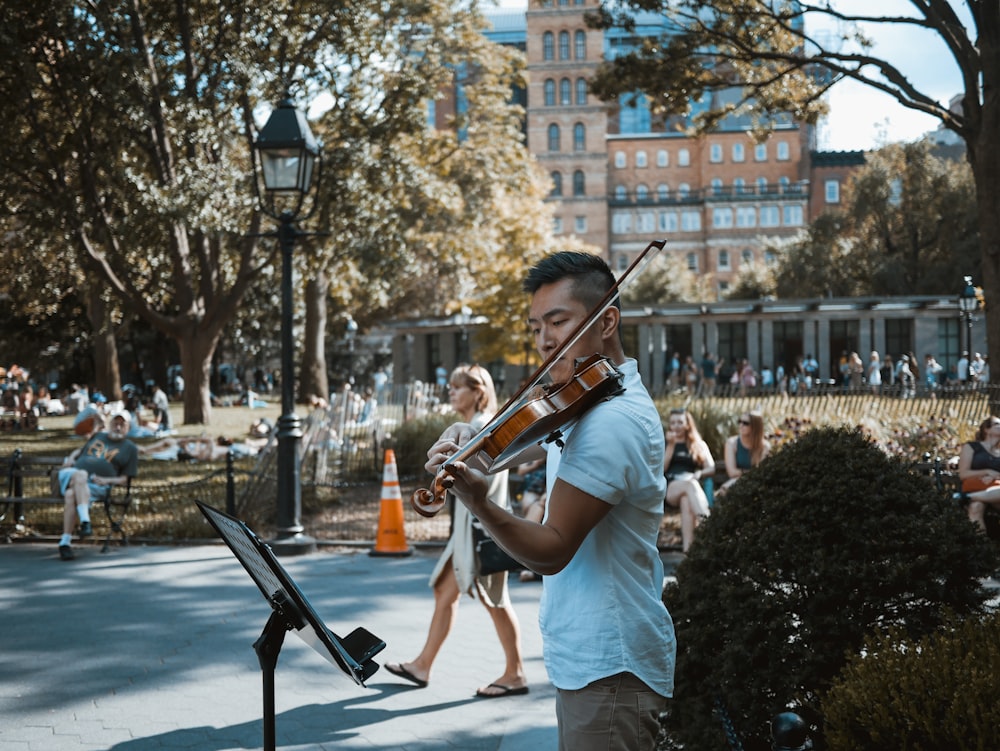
x=230, y=485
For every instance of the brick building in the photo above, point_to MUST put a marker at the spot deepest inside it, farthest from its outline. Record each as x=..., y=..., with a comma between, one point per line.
x=621, y=178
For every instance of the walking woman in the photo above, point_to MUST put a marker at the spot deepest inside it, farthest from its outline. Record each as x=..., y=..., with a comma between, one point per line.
x=472, y=395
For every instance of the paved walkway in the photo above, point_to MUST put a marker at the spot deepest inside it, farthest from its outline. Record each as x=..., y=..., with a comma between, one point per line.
x=151, y=648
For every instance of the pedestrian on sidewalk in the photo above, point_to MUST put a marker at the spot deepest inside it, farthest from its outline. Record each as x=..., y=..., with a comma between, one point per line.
x=471, y=395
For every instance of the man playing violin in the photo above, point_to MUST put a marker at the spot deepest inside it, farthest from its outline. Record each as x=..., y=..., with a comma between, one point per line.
x=608, y=639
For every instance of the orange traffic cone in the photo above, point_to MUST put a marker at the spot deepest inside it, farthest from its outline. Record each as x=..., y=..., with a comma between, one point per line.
x=391, y=538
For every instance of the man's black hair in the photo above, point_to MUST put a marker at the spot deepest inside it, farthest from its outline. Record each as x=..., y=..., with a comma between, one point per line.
x=590, y=274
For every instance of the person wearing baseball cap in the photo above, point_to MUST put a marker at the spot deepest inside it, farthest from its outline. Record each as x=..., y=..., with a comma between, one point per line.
x=107, y=458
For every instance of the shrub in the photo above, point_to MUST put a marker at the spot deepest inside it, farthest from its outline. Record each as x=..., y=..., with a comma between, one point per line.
x=826, y=540
x=411, y=440
x=938, y=692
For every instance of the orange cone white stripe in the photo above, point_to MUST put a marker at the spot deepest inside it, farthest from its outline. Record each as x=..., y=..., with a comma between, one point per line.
x=391, y=536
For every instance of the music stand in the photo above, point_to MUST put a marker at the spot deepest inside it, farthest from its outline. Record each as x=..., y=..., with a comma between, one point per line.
x=290, y=611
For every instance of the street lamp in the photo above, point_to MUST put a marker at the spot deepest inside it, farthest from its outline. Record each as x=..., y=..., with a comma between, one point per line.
x=465, y=317
x=967, y=303
x=350, y=332
x=288, y=154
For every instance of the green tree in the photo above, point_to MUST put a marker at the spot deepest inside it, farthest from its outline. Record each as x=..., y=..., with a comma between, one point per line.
x=764, y=53
x=666, y=279
x=912, y=219
x=126, y=155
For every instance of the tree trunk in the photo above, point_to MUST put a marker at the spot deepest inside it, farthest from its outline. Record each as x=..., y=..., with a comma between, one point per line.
x=313, y=376
x=107, y=378
x=984, y=156
x=196, y=350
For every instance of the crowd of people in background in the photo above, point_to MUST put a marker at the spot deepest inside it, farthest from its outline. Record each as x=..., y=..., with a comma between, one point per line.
x=904, y=376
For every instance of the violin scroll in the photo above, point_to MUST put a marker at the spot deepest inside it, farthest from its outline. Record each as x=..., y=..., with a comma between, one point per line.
x=428, y=502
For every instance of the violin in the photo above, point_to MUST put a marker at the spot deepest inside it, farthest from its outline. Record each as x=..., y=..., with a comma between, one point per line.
x=537, y=420
x=539, y=417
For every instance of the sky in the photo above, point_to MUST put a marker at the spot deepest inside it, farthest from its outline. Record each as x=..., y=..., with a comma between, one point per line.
x=862, y=118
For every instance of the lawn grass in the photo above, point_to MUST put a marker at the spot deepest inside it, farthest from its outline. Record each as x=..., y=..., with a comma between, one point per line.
x=164, y=491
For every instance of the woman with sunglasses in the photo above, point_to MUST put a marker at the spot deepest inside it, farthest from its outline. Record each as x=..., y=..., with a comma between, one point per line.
x=686, y=460
x=745, y=450
x=979, y=470
x=472, y=396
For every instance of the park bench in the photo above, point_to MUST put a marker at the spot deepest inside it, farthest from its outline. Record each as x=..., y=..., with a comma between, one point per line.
x=32, y=481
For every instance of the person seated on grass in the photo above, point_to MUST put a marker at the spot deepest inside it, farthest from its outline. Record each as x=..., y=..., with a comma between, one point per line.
x=979, y=471
x=745, y=450
x=202, y=448
x=106, y=459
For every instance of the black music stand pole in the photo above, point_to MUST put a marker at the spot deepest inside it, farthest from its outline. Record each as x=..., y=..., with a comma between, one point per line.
x=267, y=648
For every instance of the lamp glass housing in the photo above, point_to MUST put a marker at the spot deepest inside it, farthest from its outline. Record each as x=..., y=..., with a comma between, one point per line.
x=287, y=170
x=968, y=300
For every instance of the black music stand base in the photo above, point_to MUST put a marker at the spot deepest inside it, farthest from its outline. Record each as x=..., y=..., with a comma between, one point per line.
x=267, y=647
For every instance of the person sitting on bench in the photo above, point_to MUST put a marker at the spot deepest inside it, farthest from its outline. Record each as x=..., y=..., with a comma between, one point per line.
x=106, y=459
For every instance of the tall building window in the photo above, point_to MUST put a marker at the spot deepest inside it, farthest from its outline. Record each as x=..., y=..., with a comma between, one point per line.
x=783, y=183
x=580, y=225
x=663, y=191
x=769, y=216
x=692, y=261
x=640, y=159
x=580, y=45
x=556, y=184
x=832, y=189
x=792, y=216
x=783, y=151
x=691, y=221
x=683, y=190
x=715, y=153
x=565, y=92
x=739, y=186
x=621, y=223
x=579, y=137
x=723, y=260
x=564, y=45
x=746, y=216
x=646, y=222
x=662, y=158
x=579, y=183
x=761, y=185
x=738, y=153
x=716, y=186
x=557, y=225
x=581, y=91
x=548, y=46
x=668, y=221
x=620, y=160
x=620, y=193
x=747, y=257
x=641, y=192
x=553, y=137
x=760, y=152
x=722, y=218
x=684, y=158
x=550, y=92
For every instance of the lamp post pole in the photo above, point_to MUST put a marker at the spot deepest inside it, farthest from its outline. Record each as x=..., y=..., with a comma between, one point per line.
x=291, y=538
x=288, y=154
x=967, y=303
x=351, y=331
